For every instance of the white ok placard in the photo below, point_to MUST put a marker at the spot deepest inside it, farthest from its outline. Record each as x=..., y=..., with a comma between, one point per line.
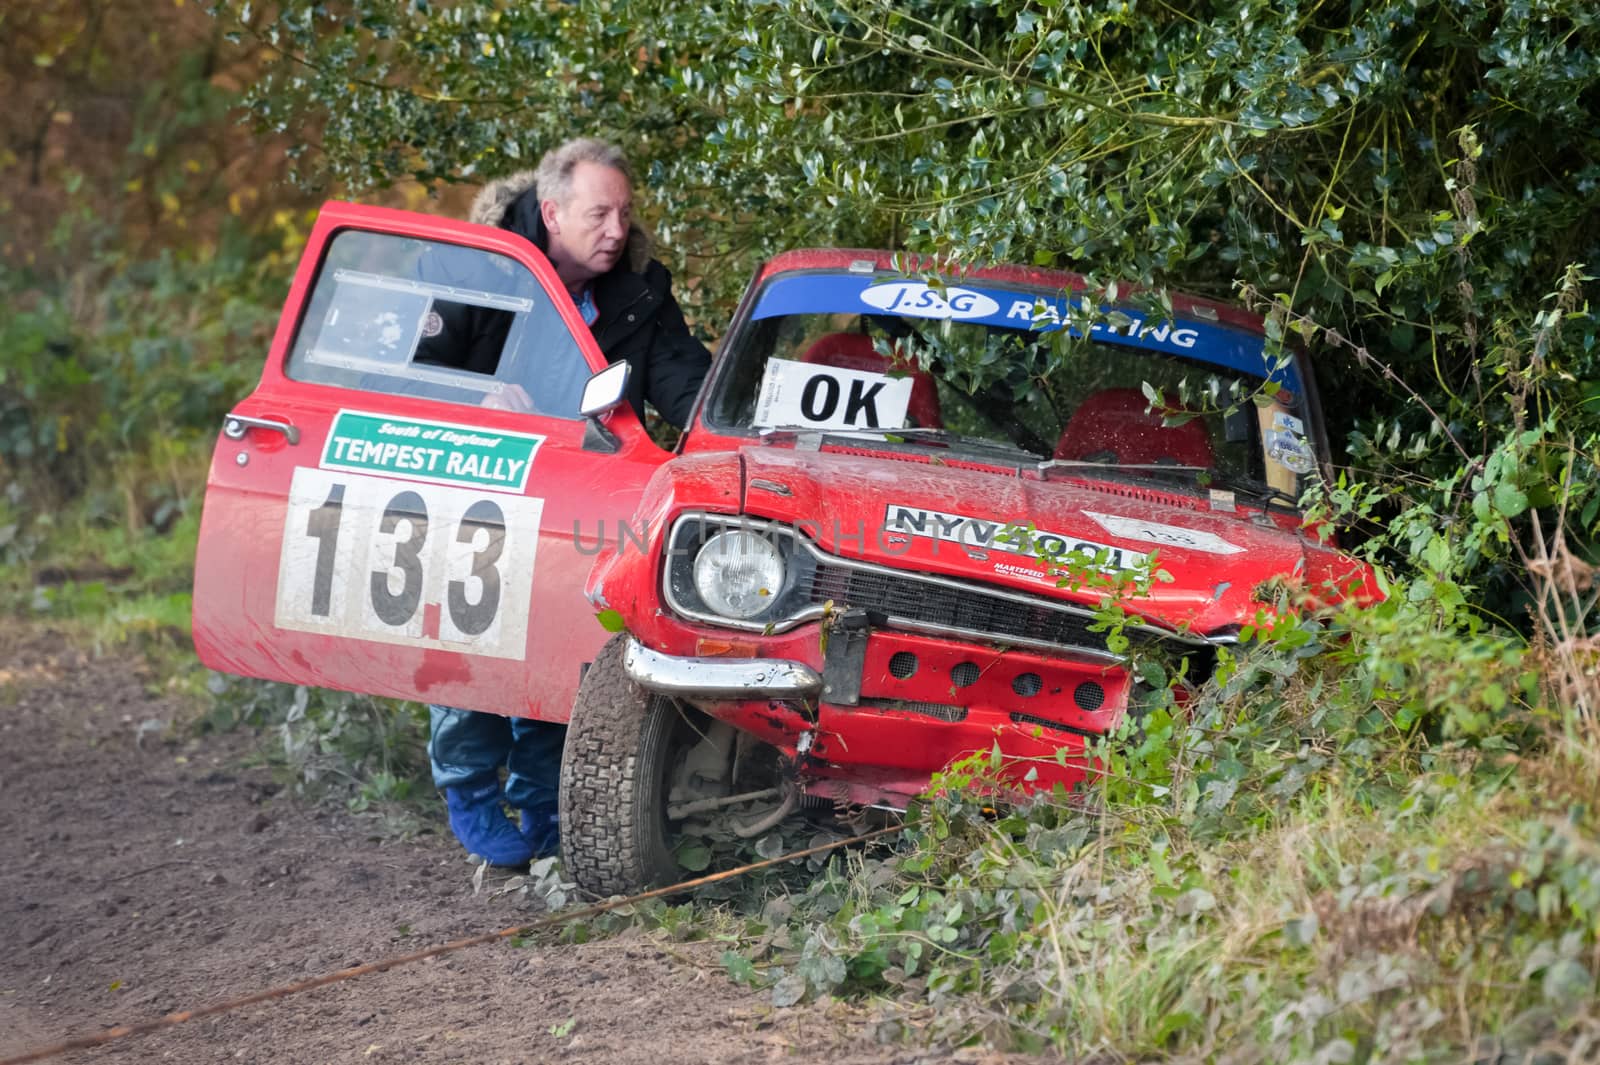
x=830, y=397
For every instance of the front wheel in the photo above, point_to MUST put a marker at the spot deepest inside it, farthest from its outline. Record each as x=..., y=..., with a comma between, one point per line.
x=622, y=746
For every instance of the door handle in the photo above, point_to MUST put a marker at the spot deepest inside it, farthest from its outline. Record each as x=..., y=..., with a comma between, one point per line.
x=234, y=426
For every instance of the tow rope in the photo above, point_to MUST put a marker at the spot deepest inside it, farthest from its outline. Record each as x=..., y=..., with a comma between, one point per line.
x=177, y=1017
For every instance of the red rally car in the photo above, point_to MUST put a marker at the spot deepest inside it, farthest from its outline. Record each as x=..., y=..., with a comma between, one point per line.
x=847, y=574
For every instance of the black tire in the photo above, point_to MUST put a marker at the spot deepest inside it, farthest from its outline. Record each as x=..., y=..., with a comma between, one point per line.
x=615, y=771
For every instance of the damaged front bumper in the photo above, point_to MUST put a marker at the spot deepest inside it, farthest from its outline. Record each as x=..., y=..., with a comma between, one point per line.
x=719, y=678
x=883, y=711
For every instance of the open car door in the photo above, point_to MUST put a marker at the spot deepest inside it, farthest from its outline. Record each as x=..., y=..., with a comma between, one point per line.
x=405, y=506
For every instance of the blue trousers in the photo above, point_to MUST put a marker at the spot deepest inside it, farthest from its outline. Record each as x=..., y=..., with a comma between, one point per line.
x=467, y=748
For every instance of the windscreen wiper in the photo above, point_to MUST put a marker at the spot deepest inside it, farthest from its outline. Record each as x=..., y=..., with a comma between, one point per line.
x=1137, y=467
x=1254, y=489
x=1200, y=477
x=903, y=435
x=949, y=436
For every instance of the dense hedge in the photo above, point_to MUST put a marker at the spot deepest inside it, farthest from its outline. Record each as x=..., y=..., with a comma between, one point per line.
x=1422, y=179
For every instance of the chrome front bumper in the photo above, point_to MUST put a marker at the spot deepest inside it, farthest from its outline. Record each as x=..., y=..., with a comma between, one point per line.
x=736, y=678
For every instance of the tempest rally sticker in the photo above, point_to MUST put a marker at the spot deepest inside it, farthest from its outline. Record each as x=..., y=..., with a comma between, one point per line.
x=376, y=559
x=430, y=451
x=830, y=397
x=986, y=535
x=1154, y=532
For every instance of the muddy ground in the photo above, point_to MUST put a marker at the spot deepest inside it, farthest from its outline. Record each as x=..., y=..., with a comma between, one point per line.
x=143, y=871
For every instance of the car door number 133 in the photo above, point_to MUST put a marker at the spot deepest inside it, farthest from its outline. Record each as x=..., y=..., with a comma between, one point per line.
x=409, y=563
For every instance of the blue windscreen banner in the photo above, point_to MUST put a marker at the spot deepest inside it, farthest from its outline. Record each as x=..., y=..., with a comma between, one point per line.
x=1021, y=309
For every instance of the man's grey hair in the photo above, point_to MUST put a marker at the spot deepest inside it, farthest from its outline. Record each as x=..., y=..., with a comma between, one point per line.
x=554, y=173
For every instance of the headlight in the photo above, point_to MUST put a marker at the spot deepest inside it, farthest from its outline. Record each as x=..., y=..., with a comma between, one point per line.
x=738, y=573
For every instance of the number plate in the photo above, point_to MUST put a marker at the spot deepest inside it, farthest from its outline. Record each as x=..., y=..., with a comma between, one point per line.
x=402, y=562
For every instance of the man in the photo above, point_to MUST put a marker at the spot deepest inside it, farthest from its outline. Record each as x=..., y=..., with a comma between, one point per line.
x=576, y=207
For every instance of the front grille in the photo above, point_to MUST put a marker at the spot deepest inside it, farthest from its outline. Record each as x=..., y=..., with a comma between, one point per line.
x=967, y=607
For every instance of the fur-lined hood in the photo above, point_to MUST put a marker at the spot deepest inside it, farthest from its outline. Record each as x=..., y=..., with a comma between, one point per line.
x=490, y=205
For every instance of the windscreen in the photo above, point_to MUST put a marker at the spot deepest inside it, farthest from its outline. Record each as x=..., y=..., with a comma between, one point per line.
x=1005, y=375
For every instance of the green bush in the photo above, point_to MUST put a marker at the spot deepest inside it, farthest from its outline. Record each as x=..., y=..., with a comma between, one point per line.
x=115, y=375
x=1343, y=847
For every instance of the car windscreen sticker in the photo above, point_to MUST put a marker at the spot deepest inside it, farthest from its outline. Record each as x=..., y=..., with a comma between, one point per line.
x=442, y=452
x=917, y=300
x=1287, y=445
x=987, y=534
x=1212, y=342
x=810, y=396
x=1154, y=532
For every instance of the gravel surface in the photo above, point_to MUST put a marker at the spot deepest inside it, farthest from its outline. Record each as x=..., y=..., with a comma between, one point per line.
x=142, y=872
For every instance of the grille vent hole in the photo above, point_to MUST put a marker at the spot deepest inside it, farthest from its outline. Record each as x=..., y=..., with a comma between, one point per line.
x=1044, y=722
x=902, y=664
x=940, y=711
x=1027, y=684
x=1089, y=696
x=965, y=674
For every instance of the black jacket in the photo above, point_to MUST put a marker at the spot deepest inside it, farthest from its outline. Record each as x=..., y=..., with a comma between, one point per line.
x=639, y=320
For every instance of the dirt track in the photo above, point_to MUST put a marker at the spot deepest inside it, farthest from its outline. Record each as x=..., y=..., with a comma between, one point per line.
x=137, y=878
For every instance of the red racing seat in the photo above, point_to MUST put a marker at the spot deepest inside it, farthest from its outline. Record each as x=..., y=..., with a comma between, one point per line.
x=854, y=351
x=1115, y=425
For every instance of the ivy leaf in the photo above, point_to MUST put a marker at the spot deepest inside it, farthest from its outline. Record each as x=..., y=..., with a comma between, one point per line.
x=789, y=990
x=740, y=968
x=694, y=856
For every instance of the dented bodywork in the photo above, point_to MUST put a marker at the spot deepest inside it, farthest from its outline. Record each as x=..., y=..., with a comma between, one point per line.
x=895, y=485
x=918, y=630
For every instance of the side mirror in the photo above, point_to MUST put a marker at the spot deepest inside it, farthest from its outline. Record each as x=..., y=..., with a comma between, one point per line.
x=603, y=392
